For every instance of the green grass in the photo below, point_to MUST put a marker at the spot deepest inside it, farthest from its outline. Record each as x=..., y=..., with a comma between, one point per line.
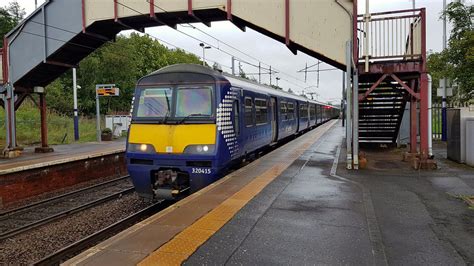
x=436, y=124
x=60, y=127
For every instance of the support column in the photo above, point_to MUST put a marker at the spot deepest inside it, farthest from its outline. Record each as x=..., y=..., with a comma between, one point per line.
x=424, y=149
x=44, y=127
x=355, y=120
x=413, y=125
x=348, y=106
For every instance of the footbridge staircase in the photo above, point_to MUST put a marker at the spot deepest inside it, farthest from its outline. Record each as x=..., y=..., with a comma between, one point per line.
x=59, y=34
x=391, y=72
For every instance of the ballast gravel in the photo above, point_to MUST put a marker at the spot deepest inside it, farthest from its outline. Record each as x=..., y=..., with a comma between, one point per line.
x=31, y=246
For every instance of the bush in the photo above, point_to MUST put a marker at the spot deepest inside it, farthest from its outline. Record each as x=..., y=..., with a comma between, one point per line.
x=106, y=131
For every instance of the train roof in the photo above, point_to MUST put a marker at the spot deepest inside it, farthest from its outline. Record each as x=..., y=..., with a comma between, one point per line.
x=234, y=80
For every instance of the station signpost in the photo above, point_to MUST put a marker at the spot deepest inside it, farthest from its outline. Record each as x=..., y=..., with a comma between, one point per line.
x=103, y=90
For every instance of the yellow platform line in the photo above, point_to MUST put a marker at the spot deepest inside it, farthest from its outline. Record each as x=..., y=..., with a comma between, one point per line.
x=185, y=243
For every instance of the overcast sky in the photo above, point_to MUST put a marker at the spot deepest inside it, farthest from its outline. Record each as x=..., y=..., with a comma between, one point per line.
x=274, y=53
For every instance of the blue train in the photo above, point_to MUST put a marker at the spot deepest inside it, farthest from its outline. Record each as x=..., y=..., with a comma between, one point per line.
x=191, y=123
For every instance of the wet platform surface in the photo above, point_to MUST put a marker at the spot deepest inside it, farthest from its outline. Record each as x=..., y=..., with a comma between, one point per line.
x=421, y=215
x=304, y=217
x=299, y=205
x=172, y=235
x=62, y=153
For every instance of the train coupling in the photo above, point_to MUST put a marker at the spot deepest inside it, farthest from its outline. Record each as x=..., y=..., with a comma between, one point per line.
x=169, y=184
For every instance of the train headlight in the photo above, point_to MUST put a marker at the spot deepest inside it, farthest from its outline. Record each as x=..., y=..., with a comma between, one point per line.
x=200, y=149
x=145, y=148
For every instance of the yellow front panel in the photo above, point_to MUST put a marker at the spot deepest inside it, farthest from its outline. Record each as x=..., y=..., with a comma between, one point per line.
x=175, y=136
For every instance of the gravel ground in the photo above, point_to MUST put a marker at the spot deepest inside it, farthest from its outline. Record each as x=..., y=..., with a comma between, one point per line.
x=31, y=246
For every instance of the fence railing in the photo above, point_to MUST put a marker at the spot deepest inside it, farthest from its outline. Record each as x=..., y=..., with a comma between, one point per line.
x=391, y=35
x=436, y=117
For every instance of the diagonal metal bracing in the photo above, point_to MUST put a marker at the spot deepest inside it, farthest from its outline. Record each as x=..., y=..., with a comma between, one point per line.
x=382, y=78
x=406, y=87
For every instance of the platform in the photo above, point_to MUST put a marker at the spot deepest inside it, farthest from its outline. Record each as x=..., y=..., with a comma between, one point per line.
x=297, y=205
x=62, y=154
x=33, y=174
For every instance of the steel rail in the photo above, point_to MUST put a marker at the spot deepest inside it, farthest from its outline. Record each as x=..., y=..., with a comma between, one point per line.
x=61, y=255
x=5, y=213
x=56, y=216
x=68, y=211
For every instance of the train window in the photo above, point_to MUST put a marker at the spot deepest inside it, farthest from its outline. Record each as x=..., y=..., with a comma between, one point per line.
x=291, y=111
x=283, y=111
x=194, y=101
x=303, y=110
x=261, y=111
x=248, y=112
x=154, y=102
x=312, y=111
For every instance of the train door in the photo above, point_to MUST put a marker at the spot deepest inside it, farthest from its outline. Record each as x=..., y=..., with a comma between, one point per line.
x=274, y=118
x=237, y=122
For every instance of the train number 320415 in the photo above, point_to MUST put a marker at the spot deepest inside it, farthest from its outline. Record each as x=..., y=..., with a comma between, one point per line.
x=201, y=171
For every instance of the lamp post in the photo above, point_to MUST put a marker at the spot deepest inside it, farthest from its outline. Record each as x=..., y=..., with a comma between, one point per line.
x=204, y=47
x=76, y=118
x=277, y=79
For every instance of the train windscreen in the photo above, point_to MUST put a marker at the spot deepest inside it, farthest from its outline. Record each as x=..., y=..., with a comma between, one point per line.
x=181, y=104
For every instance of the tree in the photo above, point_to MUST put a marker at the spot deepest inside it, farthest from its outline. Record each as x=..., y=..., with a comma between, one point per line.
x=15, y=10
x=121, y=63
x=10, y=16
x=457, y=61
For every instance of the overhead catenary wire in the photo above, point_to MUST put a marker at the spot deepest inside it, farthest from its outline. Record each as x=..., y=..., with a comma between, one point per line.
x=220, y=41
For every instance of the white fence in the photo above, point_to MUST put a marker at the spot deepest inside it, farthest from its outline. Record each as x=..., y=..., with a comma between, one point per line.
x=118, y=123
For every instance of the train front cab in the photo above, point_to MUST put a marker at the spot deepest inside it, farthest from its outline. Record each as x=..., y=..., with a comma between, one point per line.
x=173, y=140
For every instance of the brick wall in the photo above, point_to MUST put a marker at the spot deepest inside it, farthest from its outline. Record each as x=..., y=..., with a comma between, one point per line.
x=25, y=184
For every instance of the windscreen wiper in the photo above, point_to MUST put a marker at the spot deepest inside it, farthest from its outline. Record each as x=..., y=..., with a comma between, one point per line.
x=165, y=118
x=191, y=115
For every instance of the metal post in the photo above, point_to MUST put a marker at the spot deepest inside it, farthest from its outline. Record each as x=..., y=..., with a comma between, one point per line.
x=44, y=125
x=424, y=150
x=259, y=73
x=355, y=120
x=319, y=63
x=13, y=116
x=444, y=100
x=270, y=75
x=348, y=105
x=366, y=34
x=430, y=117
x=306, y=71
x=233, y=66
x=343, y=106
x=76, y=118
x=6, y=100
x=413, y=125
x=203, y=56
x=97, y=110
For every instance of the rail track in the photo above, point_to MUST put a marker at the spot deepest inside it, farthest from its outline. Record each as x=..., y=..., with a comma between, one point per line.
x=25, y=218
x=67, y=252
